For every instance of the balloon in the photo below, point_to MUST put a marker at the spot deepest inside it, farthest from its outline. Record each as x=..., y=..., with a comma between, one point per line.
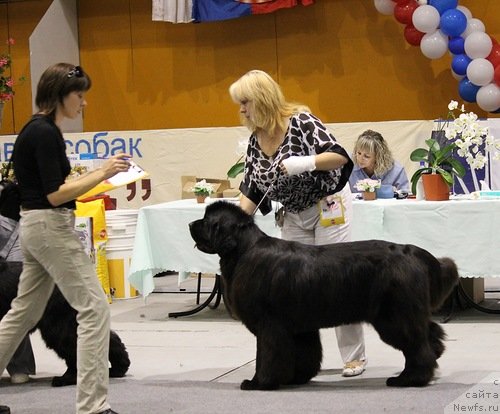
x=453, y=22
x=465, y=11
x=434, y=45
x=496, y=75
x=473, y=25
x=426, y=19
x=456, y=75
x=385, y=6
x=443, y=5
x=467, y=90
x=404, y=12
x=459, y=64
x=480, y=72
x=478, y=45
x=456, y=45
x=412, y=35
x=401, y=1
x=494, y=56
x=488, y=97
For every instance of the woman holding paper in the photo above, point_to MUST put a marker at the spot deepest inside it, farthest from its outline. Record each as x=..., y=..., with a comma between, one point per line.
x=53, y=254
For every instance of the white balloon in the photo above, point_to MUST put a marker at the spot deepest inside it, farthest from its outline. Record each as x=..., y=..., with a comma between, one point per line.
x=473, y=25
x=434, y=45
x=480, y=72
x=426, y=19
x=478, y=45
x=385, y=6
x=488, y=97
x=465, y=11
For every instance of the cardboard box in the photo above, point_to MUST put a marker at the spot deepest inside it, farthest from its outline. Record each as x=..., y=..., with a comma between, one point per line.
x=189, y=181
x=231, y=193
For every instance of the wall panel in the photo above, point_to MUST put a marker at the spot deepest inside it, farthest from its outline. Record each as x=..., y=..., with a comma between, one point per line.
x=341, y=57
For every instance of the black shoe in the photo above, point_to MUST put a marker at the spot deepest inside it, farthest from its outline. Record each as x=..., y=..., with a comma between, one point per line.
x=109, y=411
x=4, y=409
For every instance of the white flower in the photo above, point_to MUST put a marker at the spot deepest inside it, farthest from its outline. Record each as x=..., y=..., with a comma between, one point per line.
x=473, y=141
x=202, y=187
x=242, y=147
x=453, y=105
x=367, y=184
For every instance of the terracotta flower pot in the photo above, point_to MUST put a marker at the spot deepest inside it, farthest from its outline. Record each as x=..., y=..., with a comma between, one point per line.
x=200, y=198
x=435, y=187
x=369, y=195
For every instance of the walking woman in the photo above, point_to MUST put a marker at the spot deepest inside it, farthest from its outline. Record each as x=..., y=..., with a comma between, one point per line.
x=53, y=254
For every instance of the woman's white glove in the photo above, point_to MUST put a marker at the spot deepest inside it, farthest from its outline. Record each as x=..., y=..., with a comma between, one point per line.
x=298, y=165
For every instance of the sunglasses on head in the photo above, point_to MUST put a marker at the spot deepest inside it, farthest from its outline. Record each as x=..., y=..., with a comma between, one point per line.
x=76, y=71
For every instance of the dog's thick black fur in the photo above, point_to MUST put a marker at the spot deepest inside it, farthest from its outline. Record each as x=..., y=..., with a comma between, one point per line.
x=58, y=327
x=284, y=292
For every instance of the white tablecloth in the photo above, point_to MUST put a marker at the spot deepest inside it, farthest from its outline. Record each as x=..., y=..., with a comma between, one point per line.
x=466, y=230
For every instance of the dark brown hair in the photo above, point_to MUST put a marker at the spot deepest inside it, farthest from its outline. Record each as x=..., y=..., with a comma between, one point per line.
x=58, y=81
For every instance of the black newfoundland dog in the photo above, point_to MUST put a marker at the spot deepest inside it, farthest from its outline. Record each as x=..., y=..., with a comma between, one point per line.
x=58, y=327
x=284, y=292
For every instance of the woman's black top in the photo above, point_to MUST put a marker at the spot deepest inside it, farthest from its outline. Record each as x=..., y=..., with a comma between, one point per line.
x=40, y=162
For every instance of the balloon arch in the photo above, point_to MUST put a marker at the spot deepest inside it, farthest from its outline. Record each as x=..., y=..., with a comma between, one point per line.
x=438, y=26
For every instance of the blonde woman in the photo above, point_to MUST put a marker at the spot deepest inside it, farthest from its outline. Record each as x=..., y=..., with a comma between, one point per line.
x=293, y=159
x=373, y=159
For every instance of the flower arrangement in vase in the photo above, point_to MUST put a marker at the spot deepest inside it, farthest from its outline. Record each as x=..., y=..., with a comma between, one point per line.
x=465, y=138
x=202, y=190
x=6, y=81
x=368, y=186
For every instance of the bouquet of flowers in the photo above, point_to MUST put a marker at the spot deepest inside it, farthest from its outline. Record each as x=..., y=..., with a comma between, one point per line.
x=367, y=184
x=6, y=82
x=203, y=188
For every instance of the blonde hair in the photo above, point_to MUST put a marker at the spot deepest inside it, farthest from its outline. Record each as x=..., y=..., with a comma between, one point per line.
x=373, y=142
x=269, y=109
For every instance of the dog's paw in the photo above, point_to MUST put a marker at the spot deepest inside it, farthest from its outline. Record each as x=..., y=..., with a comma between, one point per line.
x=63, y=381
x=406, y=381
x=247, y=385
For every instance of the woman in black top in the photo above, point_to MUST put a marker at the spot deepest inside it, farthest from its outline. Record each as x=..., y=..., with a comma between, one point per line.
x=53, y=254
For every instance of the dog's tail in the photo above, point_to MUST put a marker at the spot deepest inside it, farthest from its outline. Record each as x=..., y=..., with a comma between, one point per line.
x=442, y=285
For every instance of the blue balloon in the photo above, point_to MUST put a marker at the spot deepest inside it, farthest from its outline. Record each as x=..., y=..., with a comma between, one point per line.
x=456, y=45
x=453, y=22
x=468, y=90
x=459, y=64
x=443, y=5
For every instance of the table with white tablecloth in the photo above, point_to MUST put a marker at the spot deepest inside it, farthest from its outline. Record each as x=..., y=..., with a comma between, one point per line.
x=466, y=230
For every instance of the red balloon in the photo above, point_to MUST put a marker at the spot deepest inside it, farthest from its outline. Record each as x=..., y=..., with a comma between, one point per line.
x=497, y=75
x=403, y=12
x=401, y=1
x=412, y=35
x=494, y=56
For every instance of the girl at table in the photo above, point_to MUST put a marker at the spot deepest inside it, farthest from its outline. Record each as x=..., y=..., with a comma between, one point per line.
x=293, y=159
x=373, y=159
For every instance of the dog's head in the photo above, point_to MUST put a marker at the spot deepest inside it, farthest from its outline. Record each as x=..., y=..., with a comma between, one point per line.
x=218, y=232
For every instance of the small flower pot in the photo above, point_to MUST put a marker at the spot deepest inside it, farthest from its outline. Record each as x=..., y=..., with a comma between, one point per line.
x=369, y=195
x=200, y=198
x=435, y=188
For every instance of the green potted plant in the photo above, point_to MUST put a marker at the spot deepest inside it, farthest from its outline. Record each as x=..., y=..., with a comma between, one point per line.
x=464, y=138
x=367, y=186
x=202, y=190
x=436, y=161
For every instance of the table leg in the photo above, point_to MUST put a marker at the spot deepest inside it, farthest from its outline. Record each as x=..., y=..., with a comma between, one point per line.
x=216, y=292
x=475, y=305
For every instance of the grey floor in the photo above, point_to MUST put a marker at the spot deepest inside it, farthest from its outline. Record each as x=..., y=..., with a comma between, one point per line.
x=211, y=348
